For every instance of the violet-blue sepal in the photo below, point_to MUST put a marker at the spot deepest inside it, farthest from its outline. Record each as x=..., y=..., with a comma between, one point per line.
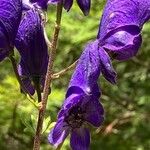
x=121, y=25
x=30, y=43
x=106, y=66
x=10, y=17
x=87, y=71
x=81, y=106
x=77, y=111
x=93, y=61
x=83, y=4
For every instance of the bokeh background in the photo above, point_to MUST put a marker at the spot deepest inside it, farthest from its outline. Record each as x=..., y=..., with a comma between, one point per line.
x=127, y=104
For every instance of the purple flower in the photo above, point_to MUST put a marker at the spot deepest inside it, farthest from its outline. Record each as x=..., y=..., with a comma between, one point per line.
x=32, y=47
x=83, y=4
x=10, y=17
x=120, y=26
x=82, y=105
x=78, y=110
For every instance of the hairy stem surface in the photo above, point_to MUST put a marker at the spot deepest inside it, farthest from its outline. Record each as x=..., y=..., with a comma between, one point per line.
x=48, y=79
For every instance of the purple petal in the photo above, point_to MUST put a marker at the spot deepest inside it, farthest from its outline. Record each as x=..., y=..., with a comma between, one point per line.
x=123, y=44
x=94, y=112
x=125, y=12
x=120, y=26
x=25, y=78
x=31, y=44
x=71, y=101
x=28, y=86
x=106, y=66
x=10, y=16
x=80, y=139
x=84, y=6
x=68, y=4
x=58, y=133
x=4, y=45
x=87, y=71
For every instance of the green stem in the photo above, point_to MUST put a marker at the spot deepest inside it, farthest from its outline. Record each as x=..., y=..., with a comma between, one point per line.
x=37, y=139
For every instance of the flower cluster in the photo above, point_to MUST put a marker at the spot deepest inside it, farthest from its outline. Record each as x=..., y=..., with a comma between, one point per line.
x=32, y=47
x=21, y=26
x=119, y=36
x=24, y=30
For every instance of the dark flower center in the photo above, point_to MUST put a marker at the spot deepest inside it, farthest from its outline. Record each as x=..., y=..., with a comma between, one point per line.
x=75, y=118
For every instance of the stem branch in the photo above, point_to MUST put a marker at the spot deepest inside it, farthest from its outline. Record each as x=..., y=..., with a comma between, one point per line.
x=63, y=72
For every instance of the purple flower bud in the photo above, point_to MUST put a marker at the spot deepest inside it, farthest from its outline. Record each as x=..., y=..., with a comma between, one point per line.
x=82, y=105
x=120, y=26
x=83, y=4
x=10, y=17
x=32, y=47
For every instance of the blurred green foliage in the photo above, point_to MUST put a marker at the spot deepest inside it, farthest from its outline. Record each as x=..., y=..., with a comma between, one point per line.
x=127, y=105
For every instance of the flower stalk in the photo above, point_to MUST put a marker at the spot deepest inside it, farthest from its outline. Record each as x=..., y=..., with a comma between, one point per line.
x=48, y=80
x=63, y=72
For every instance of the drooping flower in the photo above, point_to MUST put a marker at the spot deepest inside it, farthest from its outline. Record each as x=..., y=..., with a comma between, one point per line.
x=120, y=27
x=82, y=105
x=83, y=4
x=10, y=17
x=32, y=47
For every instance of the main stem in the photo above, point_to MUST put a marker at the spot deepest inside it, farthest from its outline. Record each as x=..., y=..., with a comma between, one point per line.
x=37, y=139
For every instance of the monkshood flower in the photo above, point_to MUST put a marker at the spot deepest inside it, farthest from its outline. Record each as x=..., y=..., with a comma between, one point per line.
x=81, y=106
x=32, y=47
x=83, y=4
x=121, y=25
x=10, y=17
